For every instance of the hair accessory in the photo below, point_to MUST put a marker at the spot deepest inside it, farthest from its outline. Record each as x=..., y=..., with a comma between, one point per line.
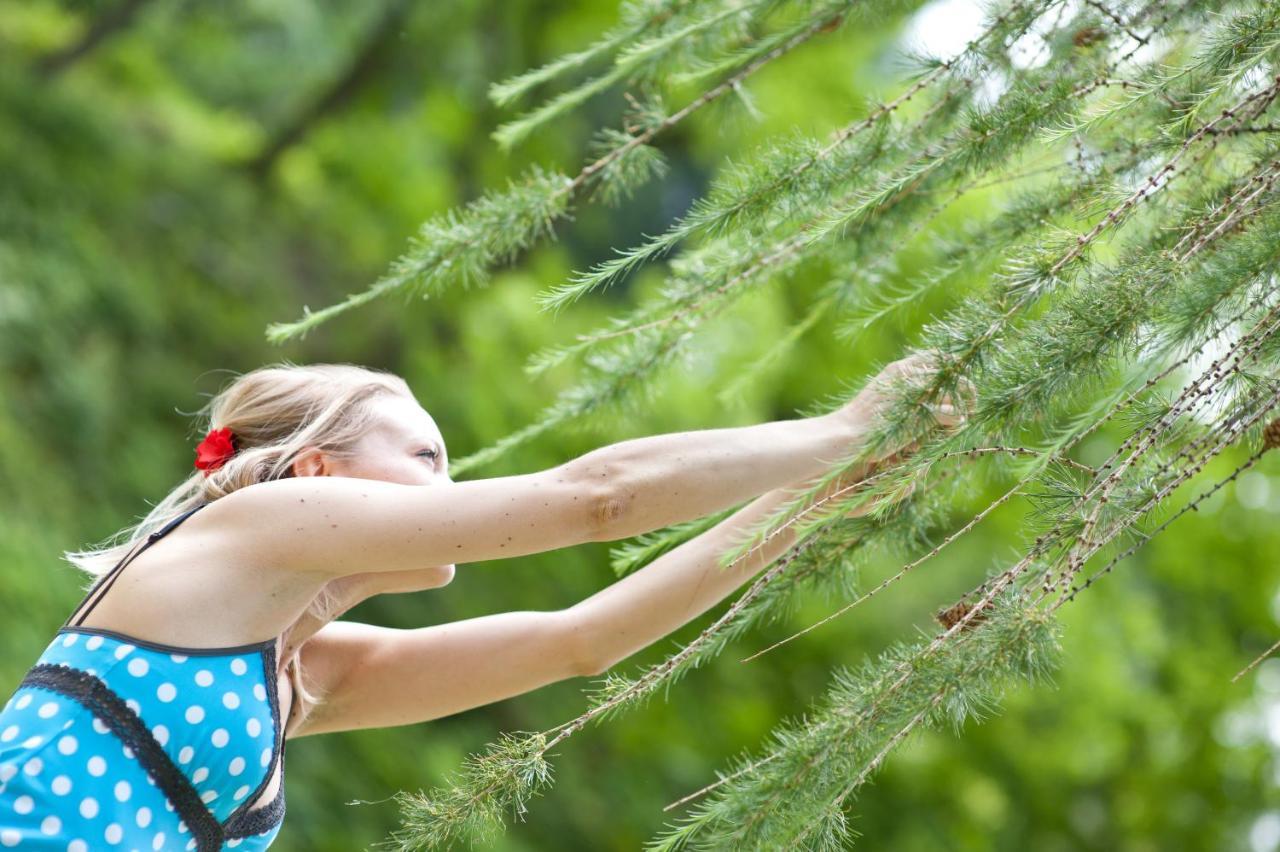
x=215, y=449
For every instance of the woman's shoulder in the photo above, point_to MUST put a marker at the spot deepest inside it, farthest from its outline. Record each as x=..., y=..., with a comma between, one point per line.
x=300, y=523
x=265, y=505
x=295, y=493
x=333, y=526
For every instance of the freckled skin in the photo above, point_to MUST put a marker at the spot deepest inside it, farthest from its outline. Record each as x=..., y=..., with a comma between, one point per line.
x=403, y=446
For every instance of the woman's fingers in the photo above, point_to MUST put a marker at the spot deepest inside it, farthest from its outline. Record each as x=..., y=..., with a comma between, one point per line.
x=949, y=410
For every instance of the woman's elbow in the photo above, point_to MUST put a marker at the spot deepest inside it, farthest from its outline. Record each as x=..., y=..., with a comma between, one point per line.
x=582, y=650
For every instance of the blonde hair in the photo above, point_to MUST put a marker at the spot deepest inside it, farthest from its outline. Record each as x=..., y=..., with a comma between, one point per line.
x=274, y=412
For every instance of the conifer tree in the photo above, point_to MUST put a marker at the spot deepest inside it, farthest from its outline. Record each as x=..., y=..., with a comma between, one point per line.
x=1131, y=282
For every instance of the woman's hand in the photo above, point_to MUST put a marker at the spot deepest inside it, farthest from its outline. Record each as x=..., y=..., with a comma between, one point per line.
x=871, y=404
x=873, y=401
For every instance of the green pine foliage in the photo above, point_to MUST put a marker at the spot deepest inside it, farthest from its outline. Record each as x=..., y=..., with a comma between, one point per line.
x=1130, y=255
x=1131, y=262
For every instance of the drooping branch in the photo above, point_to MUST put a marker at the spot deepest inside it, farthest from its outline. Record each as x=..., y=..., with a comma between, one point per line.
x=455, y=244
x=1160, y=243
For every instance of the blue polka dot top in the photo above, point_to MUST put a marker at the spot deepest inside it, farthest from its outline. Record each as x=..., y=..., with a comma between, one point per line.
x=113, y=742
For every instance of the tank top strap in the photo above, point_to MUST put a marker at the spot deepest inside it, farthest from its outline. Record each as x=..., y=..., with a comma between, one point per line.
x=104, y=582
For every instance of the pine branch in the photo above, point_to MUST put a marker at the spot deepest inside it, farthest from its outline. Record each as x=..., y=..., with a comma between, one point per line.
x=980, y=609
x=454, y=247
x=1192, y=396
x=1162, y=241
x=855, y=728
x=1055, y=452
x=972, y=610
x=786, y=253
x=1226, y=437
x=631, y=60
x=1040, y=543
x=1191, y=506
x=638, y=18
x=727, y=203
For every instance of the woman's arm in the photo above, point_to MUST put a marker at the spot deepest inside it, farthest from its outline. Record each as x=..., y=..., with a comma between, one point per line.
x=374, y=677
x=338, y=526
x=335, y=526
x=666, y=479
x=685, y=582
x=662, y=480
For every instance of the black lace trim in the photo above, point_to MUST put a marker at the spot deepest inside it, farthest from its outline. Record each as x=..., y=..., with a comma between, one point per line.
x=93, y=693
x=244, y=822
x=247, y=823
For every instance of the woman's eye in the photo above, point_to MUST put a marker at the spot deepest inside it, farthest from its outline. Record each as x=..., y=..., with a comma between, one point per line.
x=432, y=452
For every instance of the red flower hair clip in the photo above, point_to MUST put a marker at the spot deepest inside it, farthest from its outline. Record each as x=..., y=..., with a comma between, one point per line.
x=215, y=449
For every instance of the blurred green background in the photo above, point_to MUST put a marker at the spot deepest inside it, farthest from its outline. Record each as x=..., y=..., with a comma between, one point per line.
x=204, y=169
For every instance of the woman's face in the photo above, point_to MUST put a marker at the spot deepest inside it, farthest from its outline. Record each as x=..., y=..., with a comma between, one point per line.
x=403, y=446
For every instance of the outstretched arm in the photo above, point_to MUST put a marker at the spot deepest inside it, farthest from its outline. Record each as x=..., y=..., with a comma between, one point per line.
x=334, y=526
x=377, y=677
x=372, y=677
x=685, y=582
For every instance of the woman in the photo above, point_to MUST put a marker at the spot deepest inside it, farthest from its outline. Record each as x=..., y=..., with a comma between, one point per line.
x=153, y=720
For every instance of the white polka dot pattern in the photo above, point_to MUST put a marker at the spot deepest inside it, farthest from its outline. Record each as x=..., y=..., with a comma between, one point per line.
x=67, y=778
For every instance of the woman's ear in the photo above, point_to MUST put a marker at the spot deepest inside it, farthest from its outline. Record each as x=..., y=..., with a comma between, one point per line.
x=311, y=462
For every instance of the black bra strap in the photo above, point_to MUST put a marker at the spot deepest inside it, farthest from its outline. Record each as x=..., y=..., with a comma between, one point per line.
x=105, y=582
